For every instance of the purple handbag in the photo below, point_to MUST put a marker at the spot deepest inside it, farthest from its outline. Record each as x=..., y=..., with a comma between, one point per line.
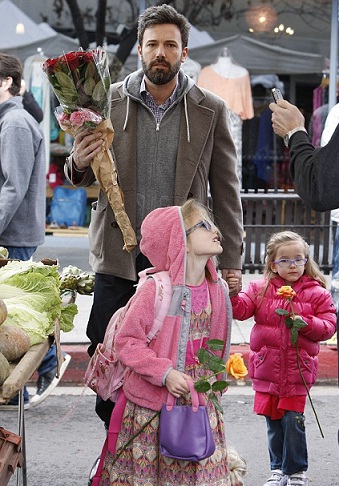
x=185, y=432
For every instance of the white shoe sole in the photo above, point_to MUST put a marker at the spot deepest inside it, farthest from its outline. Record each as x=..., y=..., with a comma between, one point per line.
x=37, y=399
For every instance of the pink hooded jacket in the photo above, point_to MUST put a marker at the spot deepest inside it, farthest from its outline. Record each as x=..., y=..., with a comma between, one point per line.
x=273, y=361
x=164, y=244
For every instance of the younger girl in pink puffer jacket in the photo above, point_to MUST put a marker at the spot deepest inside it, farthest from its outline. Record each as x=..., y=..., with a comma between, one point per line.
x=280, y=393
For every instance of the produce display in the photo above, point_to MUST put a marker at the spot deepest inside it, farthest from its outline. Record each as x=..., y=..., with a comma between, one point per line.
x=31, y=299
x=31, y=292
x=4, y=369
x=3, y=252
x=73, y=278
x=14, y=342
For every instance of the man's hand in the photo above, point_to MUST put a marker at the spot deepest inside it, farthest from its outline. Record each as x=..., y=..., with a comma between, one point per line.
x=285, y=117
x=233, y=279
x=86, y=146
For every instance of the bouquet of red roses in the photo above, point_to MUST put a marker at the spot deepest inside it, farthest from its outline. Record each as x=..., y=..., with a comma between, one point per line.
x=81, y=82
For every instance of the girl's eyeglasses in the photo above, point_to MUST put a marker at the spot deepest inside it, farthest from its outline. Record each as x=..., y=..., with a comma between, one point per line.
x=203, y=223
x=286, y=263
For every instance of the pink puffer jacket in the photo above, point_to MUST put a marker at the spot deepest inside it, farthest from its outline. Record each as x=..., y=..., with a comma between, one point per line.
x=273, y=359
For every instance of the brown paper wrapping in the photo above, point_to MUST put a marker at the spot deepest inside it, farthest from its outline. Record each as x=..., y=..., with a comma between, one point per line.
x=105, y=173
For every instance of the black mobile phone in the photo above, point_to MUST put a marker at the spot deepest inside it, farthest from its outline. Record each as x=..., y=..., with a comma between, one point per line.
x=276, y=93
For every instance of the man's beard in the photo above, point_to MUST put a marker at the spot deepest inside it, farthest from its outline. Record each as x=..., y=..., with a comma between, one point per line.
x=160, y=76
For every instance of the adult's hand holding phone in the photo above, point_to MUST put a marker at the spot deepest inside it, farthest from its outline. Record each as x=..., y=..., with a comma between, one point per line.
x=285, y=117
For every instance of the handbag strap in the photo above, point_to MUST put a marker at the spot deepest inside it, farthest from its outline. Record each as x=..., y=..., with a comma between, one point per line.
x=197, y=398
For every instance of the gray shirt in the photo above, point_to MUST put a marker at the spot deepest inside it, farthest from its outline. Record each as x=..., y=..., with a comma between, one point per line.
x=22, y=177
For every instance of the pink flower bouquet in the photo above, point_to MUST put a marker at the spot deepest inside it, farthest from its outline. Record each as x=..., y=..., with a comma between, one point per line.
x=83, y=117
x=81, y=82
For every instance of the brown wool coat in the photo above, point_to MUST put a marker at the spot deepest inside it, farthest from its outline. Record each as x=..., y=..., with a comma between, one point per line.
x=209, y=156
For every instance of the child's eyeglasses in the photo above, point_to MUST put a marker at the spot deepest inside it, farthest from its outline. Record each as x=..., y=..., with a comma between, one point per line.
x=203, y=223
x=286, y=263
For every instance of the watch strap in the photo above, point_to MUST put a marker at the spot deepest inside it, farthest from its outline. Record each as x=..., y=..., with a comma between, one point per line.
x=289, y=134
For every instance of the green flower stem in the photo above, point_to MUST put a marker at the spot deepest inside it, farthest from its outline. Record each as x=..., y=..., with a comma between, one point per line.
x=302, y=376
x=124, y=447
x=308, y=393
x=207, y=378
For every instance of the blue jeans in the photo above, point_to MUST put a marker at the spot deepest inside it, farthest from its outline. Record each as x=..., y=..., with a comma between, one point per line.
x=20, y=252
x=287, y=443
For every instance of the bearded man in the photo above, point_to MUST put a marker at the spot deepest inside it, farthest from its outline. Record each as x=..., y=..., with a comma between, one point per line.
x=172, y=142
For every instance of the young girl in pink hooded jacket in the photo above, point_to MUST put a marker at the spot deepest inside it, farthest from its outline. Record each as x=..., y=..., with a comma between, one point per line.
x=182, y=241
x=280, y=394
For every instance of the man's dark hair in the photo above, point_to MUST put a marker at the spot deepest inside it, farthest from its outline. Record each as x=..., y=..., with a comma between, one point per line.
x=10, y=67
x=163, y=14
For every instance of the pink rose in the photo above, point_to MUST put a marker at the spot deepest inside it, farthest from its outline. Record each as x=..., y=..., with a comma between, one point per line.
x=63, y=118
x=77, y=118
x=80, y=117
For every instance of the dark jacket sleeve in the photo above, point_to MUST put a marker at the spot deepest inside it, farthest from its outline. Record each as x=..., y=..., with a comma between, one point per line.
x=78, y=178
x=32, y=106
x=315, y=171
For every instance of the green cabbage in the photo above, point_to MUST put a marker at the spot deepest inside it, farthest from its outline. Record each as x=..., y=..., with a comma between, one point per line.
x=31, y=292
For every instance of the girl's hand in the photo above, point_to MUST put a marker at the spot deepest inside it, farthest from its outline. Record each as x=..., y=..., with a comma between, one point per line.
x=176, y=383
x=233, y=284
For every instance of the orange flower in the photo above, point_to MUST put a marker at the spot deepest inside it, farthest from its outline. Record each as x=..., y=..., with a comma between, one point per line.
x=286, y=291
x=235, y=366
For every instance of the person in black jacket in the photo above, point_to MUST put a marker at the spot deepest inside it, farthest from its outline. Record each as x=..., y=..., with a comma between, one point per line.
x=314, y=171
x=30, y=103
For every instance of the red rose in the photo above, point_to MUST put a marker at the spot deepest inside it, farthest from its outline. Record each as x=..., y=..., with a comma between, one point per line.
x=49, y=65
x=73, y=59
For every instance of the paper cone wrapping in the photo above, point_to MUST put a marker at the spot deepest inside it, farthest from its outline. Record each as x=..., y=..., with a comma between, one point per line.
x=105, y=173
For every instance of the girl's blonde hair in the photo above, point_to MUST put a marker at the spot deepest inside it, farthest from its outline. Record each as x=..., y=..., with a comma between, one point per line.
x=237, y=467
x=283, y=238
x=192, y=208
x=189, y=210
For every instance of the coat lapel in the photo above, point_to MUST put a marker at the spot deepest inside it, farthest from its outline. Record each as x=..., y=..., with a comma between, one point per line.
x=125, y=145
x=190, y=152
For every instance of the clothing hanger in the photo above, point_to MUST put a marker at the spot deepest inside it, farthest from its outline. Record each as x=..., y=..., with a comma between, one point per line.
x=39, y=56
x=225, y=52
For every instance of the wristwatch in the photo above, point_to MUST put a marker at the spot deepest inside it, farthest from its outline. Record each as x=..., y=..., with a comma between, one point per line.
x=292, y=132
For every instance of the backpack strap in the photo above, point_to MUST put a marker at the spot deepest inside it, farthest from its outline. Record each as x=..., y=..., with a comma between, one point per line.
x=227, y=347
x=162, y=298
x=162, y=301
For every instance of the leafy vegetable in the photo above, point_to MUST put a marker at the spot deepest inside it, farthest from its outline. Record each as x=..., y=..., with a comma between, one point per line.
x=31, y=292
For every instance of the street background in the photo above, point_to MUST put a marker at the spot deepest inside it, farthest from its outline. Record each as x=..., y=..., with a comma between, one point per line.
x=64, y=436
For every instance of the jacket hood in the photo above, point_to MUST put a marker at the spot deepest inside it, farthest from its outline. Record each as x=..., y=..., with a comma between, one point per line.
x=13, y=102
x=132, y=82
x=163, y=242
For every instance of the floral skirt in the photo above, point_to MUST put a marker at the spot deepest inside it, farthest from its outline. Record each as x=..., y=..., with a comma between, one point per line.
x=141, y=463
